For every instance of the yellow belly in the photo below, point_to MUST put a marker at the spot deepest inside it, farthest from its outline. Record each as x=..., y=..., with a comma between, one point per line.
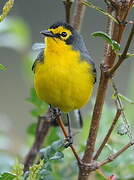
x=64, y=83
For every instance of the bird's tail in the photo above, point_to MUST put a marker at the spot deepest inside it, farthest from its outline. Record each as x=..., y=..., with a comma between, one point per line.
x=75, y=119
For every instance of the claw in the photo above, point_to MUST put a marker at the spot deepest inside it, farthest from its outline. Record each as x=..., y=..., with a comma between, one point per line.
x=68, y=141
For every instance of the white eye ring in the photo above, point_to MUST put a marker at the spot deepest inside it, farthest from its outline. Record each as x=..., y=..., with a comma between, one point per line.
x=63, y=34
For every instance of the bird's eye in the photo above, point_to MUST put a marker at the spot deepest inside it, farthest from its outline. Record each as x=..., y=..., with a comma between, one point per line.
x=63, y=34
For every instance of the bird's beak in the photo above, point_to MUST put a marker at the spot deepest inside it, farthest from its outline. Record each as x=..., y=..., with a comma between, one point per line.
x=47, y=33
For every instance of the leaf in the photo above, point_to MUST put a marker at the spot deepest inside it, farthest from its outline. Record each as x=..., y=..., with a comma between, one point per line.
x=104, y=35
x=15, y=34
x=2, y=67
x=7, y=176
x=57, y=156
x=44, y=174
x=40, y=108
x=122, y=129
x=115, y=45
x=32, y=128
x=129, y=55
x=89, y=4
x=49, y=152
x=124, y=98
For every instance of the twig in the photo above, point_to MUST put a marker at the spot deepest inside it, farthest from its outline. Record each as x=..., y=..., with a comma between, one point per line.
x=118, y=113
x=120, y=106
x=60, y=122
x=67, y=4
x=78, y=14
x=41, y=132
x=114, y=156
x=124, y=54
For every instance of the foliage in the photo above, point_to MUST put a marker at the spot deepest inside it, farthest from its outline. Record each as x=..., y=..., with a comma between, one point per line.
x=89, y=4
x=53, y=164
x=108, y=39
x=2, y=67
x=6, y=9
x=40, y=106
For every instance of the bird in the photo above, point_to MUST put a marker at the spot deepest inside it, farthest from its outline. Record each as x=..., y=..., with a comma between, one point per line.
x=64, y=72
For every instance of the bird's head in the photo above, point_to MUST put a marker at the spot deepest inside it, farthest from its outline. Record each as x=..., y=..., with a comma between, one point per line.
x=60, y=33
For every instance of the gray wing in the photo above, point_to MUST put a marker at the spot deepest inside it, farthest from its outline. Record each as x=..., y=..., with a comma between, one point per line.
x=76, y=119
x=39, y=59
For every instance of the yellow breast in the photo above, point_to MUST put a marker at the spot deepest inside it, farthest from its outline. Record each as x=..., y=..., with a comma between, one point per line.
x=63, y=80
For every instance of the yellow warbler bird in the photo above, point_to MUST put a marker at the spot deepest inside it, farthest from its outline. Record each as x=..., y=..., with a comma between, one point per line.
x=64, y=73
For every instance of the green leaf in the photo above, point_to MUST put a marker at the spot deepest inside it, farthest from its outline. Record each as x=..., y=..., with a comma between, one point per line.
x=32, y=128
x=115, y=45
x=129, y=55
x=7, y=176
x=44, y=174
x=104, y=35
x=2, y=67
x=15, y=34
x=125, y=98
x=40, y=106
x=89, y=4
x=49, y=152
x=58, y=145
x=57, y=156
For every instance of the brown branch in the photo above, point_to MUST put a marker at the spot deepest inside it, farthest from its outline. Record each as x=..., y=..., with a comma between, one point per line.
x=60, y=122
x=124, y=54
x=114, y=156
x=109, y=59
x=41, y=132
x=67, y=4
x=78, y=15
x=118, y=113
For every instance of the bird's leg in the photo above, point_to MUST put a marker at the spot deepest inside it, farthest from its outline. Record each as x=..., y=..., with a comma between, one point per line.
x=54, y=112
x=69, y=139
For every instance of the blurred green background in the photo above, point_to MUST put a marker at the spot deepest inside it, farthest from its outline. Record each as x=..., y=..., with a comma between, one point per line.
x=17, y=34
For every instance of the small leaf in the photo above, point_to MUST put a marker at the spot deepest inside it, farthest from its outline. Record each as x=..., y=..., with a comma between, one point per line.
x=57, y=156
x=122, y=129
x=2, y=67
x=58, y=145
x=7, y=176
x=89, y=4
x=124, y=98
x=45, y=175
x=104, y=35
x=129, y=55
x=32, y=128
x=116, y=46
x=40, y=108
x=50, y=151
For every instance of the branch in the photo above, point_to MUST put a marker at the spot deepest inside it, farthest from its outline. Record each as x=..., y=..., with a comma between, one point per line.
x=118, y=113
x=60, y=122
x=78, y=14
x=67, y=4
x=124, y=54
x=109, y=59
x=114, y=156
x=41, y=132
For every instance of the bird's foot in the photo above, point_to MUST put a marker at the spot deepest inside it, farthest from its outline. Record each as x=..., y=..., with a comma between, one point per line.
x=68, y=141
x=54, y=113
